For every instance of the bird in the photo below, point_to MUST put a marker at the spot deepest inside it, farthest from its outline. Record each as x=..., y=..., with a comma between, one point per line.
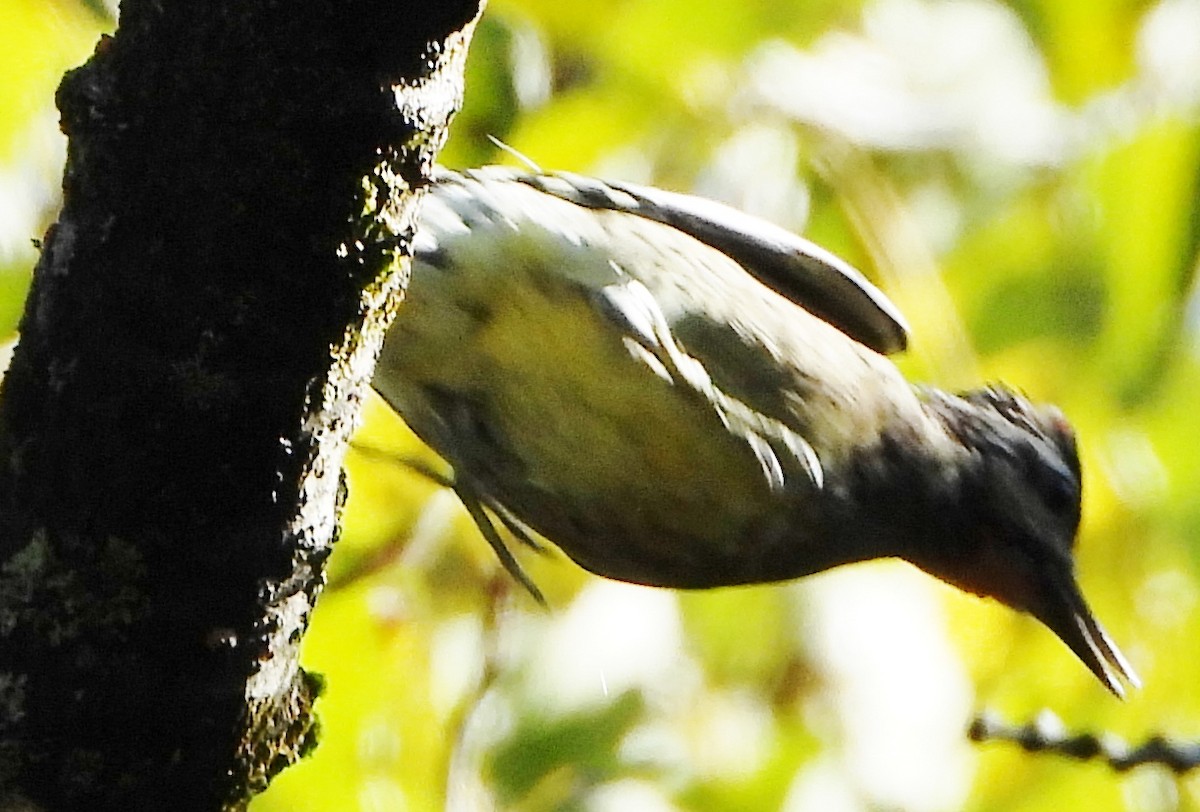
x=678, y=394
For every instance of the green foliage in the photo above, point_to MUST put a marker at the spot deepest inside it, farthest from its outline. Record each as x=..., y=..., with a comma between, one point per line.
x=1022, y=178
x=553, y=759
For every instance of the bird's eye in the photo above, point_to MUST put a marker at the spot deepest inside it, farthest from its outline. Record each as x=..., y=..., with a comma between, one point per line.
x=1059, y=495
x=1057, y=486
x=1044, y=480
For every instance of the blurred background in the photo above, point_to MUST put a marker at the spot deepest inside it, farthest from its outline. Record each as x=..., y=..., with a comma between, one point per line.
x=1021, y=177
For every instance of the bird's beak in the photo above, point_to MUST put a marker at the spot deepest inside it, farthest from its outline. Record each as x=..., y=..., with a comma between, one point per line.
x=1066, y=613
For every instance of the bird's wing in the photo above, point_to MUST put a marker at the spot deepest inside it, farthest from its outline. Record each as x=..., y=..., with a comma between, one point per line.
x=792, y=266
x=649, y=337
x=613, y=261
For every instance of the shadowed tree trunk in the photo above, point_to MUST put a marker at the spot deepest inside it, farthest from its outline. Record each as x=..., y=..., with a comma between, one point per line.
x=202, y=324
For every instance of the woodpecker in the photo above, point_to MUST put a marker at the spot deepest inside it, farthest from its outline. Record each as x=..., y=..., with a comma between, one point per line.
x=675, y=393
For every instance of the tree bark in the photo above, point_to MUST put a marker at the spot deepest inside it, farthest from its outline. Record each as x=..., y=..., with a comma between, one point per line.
x=203, y=321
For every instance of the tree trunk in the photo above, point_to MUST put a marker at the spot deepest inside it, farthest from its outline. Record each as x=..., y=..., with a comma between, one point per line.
x=203, y=321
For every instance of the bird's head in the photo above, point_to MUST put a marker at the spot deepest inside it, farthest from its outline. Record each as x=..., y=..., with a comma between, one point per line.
x=1015, y=520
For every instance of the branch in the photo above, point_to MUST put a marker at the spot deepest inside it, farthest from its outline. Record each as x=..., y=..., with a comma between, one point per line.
x=203, y=321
